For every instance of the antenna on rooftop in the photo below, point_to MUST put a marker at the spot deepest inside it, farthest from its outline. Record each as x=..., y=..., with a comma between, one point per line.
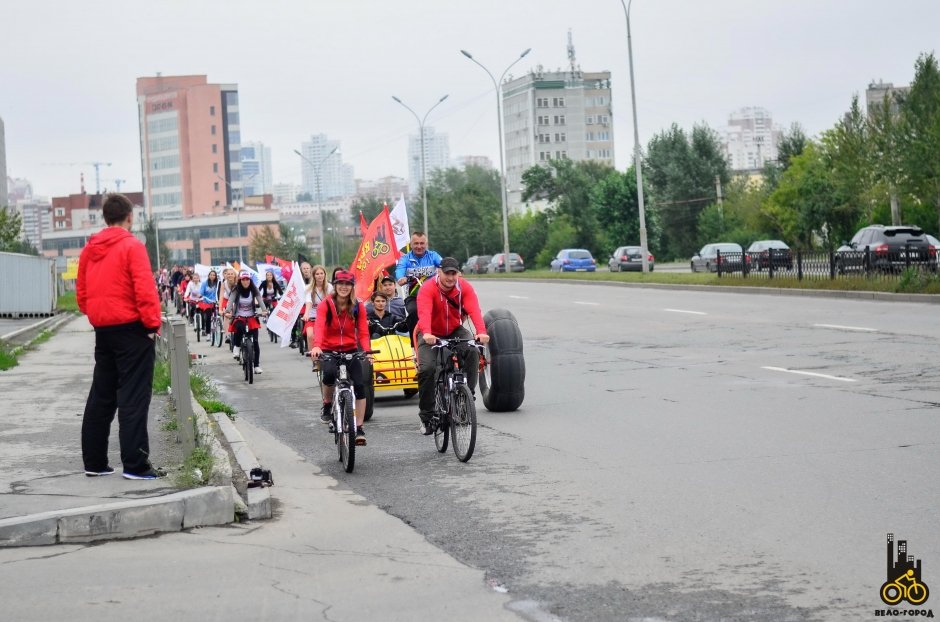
x=571, y=57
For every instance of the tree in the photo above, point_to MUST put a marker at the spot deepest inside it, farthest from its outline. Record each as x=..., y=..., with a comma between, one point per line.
x=528, y=233
x=791, y=145
x=10, y=223
x=919, y=133
x=614, y=202
x=464, y=212
x=263, y=242
x=150, y=241
x=370, y=207
x=304, y=196
x=885, y=157
x=846, y=150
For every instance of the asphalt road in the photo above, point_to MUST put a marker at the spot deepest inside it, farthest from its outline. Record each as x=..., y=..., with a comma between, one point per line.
x=679, y=455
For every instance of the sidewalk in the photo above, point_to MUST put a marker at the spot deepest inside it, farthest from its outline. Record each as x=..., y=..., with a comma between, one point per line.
x=45, y=496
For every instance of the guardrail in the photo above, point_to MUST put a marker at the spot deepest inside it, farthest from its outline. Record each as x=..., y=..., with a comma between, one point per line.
x=172, y=347
x=826, y=265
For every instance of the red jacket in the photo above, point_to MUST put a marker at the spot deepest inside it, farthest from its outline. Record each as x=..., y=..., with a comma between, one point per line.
x=115, y=285
x=438, y=317
x=340, y=334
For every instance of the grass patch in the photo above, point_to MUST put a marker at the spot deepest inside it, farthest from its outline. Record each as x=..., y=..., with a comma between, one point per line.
x=66, y=302
x=41, y=338
x=170, y=425
x=7, y=356
x=196, y=469
x=207, y=394
x=217, y=406
x=161, y=377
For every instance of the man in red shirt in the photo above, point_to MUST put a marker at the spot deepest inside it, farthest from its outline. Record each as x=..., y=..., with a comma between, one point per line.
x=117, y=293
x=444, y=302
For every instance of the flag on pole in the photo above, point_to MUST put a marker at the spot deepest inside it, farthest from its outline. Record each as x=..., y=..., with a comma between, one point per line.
x=399, y=219
x=362, y=223
x=283, y=316
x=376, y=251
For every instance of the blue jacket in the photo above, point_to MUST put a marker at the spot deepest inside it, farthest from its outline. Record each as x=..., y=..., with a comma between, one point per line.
x=209, y=294
x=419, y=267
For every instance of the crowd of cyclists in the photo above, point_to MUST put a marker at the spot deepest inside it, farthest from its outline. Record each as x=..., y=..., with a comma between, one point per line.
x=425, y=299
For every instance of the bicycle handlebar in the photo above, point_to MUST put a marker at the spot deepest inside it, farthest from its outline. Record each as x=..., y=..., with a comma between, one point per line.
x=446, y=343
x=348, y=356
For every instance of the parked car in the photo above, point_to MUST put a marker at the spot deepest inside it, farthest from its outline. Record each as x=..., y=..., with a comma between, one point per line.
x=498, y=263
x=760, y=254
x=573, y=260
x=476, y=264
x=885, y=248
x=629, y=258
x=732, y=258
x=936, y=249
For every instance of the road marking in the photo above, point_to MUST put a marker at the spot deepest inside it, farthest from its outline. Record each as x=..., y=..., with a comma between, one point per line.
x=810, y=373
x=520, y=297
x=684, y=311
x=593, y=304
x=840, y=327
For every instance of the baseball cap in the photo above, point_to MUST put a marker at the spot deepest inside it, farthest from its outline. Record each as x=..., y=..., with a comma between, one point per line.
x=387, y=278
x=244, y=274
x=343, y=276
x=449, y=264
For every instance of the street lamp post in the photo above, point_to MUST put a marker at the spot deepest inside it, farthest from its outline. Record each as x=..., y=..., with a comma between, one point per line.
x=424, y=180
x=238, y=217
x=316, y=174
x=499, y=121
x=636, y=147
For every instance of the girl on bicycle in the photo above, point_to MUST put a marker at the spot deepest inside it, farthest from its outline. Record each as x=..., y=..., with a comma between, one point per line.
x=191, y=296
x=342, y=326
x=243, y=308
x=270, y=290
x=317, y=290
x=209, y=292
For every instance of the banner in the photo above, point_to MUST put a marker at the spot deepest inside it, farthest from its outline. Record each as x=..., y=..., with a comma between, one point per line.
x=399, y=218
x=376, y=251
x=264, y=267
x=71, y=269
x=283, y=316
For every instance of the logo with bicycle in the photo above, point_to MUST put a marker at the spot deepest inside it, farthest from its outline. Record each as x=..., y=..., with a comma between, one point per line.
x=904, y=580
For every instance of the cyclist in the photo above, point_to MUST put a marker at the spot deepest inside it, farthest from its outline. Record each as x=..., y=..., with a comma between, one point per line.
x=342, y=326
x=317, y=290
x=243, y=307
x=192, y=296
x=229, y=281
x=412, y=269
x=444, y=302
x=209, y=293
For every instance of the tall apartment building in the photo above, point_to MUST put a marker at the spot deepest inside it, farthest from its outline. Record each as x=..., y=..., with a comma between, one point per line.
x=553, y=115
x=4, y=194
x=751, y=139
x=256, y=169
x=877, y=91
x=324, y=175
x=436, y=156
x=190, y=145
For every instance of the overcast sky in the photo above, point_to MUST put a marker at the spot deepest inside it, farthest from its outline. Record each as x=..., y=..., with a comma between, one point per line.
x=68, y=69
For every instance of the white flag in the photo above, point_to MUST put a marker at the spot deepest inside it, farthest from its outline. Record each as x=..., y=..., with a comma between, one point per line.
x=282, y=318
x=399, y=218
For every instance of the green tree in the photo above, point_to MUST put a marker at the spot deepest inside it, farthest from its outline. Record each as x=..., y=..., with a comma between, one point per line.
x=10, y=223
x=528, y=233
x=265, y=241
x=370, y=206
x=847, y=152
x=885, y=160
x=560, y=233
x=150, y=241
x=464, y=212
x=791, y=145
x=919, y=133
x=614, y=202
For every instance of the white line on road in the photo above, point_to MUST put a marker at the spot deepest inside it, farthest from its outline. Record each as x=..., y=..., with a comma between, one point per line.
x=593, y=304
x=684, y=311
x=520, y=297
x=810, y=373
x=840, y=327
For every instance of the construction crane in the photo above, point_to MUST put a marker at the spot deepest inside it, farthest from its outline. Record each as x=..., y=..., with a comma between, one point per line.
x=97, y=166
x=117, y=183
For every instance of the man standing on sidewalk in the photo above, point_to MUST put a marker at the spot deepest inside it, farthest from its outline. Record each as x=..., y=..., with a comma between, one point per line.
x=115, y=290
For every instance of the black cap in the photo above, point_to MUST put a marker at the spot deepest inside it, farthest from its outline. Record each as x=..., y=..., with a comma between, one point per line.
x=387, y=278
x=449, y=263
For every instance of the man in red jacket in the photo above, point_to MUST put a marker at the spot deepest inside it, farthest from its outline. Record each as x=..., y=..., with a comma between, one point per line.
x=115, y=290
x=443, y=303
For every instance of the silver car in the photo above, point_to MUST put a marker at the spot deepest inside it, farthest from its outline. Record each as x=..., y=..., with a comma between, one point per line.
x=732, y=258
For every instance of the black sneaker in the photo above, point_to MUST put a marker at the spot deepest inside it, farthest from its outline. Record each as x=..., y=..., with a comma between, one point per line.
x=327, y=415
x=150, y=473
x=360, y=436
x=108, y=470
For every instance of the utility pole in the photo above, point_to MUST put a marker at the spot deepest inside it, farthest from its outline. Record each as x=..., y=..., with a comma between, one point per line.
x=721, y=211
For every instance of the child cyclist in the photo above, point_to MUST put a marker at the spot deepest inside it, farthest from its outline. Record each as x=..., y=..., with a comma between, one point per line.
x=342, y=326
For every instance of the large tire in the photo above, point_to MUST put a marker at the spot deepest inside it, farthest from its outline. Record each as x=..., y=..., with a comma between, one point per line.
x=502, y=383
x=368, y=382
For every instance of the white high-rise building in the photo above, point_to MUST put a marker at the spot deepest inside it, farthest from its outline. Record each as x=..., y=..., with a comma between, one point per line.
x=256, y=169
x=4, y=195
x=335, y=179
x=751, y=139
x=436, y=156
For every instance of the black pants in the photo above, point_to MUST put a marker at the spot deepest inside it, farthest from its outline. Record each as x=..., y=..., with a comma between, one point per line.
x=411, y=317
x=427, y=368
x=206, y=319
x=253, y=335
x=329, y=367
x=123, y=382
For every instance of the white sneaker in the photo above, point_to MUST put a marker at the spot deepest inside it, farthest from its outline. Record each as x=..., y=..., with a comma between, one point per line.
x=257, y=370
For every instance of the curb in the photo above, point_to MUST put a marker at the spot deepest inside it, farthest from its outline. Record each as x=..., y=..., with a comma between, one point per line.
x=221, y=466
x=126, y=519
x=257, y=498
x=50, y=322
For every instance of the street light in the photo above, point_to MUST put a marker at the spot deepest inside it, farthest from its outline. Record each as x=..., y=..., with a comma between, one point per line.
x=499, y=120
x=316, y=174
x=636, y=147
x=424, y=181
x=238, y=217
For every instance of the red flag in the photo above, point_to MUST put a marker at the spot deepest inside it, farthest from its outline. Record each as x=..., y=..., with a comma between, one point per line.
x=363, y=227
x=376, y=251
x=269, y=259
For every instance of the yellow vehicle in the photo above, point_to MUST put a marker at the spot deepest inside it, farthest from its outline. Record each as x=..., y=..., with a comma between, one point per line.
x=394, y=366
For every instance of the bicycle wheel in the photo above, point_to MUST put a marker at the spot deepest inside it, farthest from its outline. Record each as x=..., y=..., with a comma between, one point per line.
x=347, y=442
x=463, y=422
x=917, y=593
x=439, y=422
x=197, y=322
x=248, y=358
x=892, y=593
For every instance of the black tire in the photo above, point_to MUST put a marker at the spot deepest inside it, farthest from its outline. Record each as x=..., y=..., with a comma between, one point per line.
x=368, y=381
x=347, y=441
x=248, y=359
x=502, y=382
x=441, y=432
x=463, y=422
x=197, y=322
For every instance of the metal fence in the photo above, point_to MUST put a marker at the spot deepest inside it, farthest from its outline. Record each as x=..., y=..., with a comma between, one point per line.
x=822, y=265
x=172, y=348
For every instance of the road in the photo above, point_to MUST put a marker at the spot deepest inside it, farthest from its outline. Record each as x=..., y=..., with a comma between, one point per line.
x=679, y=455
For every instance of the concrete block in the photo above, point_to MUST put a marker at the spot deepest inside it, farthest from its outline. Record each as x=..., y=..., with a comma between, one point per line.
x=212, y=505
x=33, y=530
x=206, y=425
x=259, y=503
x=129, y=519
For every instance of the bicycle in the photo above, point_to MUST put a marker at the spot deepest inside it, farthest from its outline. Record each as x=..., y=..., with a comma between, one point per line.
x=270, y=304
x=246, y=352
x=216, y=330
x=454, y=409
x=343, y=426
x=892, y=592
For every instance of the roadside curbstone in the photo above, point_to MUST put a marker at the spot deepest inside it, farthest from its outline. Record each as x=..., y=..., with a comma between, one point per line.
x=33, y=530
x=258, y=499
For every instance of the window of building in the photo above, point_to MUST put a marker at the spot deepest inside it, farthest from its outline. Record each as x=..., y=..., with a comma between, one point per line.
x=211, y=111
x=560, y=137
x=558, y=102
x=213, y=130
x=215, y=148
x=60, y=211
x=541, y=102
x=589, y=120
x=559, y=119
x=215, y=186
x=215, y=167
x=543, y=155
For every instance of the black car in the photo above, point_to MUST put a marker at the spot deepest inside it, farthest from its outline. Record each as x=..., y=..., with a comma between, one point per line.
x=765, y=252
x=476, y=264
x=885, y=248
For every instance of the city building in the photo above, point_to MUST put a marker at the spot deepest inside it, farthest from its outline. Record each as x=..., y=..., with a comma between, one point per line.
x=323, y=173
x=190, y=145
x=19, y=189
x=4, y=194
x=553, y=115
x=256, y=169
x=285, y=193
x=436, y=156
x=877, y=91
x=83, y=210
x=751, y=139
x=389, y=188
x=36, y=220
